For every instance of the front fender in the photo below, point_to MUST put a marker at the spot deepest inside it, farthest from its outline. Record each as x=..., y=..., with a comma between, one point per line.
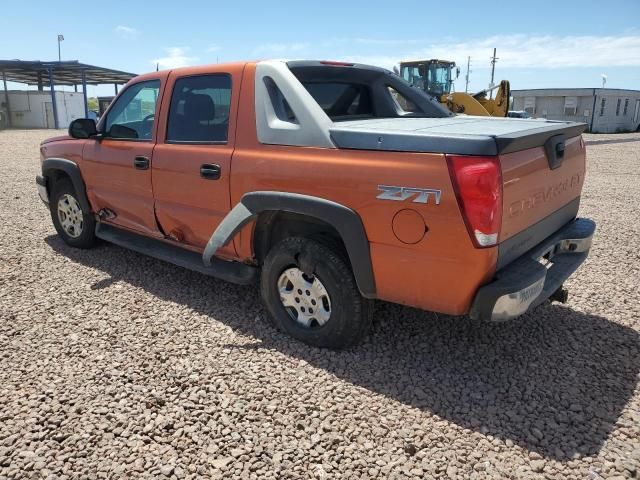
x=72, y=170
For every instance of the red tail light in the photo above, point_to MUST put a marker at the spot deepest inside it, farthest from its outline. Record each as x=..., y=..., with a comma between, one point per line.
x=478, y=185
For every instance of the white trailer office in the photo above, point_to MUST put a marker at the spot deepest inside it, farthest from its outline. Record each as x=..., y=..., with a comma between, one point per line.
x=34, y=109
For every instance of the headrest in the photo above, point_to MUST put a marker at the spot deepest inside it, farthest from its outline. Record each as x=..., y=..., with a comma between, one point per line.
x=199, y=107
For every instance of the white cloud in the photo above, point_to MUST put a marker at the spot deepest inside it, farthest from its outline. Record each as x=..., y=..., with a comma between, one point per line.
x=176, y=57
x=214, y=48
x=277, y=49
x=128, y=33
x=520, y=51
x=514, y=51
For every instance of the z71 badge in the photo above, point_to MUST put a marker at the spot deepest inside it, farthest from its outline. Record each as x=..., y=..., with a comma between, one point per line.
x=420, y=195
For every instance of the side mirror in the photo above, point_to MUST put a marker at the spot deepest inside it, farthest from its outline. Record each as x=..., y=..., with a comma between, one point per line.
x=83, y=128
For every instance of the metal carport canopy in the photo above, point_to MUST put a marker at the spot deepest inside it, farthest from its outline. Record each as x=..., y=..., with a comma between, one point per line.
x=64, y=73
x=70, y=72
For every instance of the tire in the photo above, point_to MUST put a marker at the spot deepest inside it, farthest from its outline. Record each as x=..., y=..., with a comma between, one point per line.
x=331, y=285
x=80, y=232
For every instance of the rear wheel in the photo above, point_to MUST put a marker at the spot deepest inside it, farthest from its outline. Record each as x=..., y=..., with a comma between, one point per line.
x=75, y=226
x=310, y=293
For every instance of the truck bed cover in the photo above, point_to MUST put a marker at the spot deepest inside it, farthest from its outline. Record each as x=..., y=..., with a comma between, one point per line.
x=461, y=134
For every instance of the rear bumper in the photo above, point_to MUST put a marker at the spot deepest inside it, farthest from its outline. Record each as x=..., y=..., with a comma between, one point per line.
x=41, y=183
x=527, y=281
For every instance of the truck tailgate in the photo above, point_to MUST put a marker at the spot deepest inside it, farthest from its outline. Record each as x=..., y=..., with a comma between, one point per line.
x=538, y=199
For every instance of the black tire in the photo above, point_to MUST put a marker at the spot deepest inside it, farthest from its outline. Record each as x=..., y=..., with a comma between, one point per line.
x=86, y=238
x=351, y=313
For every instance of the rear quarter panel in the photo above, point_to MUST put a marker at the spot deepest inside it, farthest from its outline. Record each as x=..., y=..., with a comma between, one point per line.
x=441, y=272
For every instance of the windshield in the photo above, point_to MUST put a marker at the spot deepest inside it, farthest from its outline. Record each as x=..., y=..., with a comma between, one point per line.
x=434, y=78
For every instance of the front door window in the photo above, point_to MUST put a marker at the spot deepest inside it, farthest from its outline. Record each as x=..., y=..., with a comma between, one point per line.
x=132, y=115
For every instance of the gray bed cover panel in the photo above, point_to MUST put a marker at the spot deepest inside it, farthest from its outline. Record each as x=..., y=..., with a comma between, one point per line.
x=464, y=135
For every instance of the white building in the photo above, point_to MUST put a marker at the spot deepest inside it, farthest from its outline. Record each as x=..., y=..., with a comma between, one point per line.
x=34, y=109
x=49, y=106
x=604, y=110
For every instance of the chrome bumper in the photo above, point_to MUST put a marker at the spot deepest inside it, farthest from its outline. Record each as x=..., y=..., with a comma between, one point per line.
x=41, y=183
x=533, y=278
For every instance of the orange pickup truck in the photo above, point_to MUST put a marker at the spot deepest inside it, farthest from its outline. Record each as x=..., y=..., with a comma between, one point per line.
x=331, y=184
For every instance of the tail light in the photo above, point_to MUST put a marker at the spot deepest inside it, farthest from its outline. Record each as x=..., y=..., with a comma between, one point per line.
x=477, y=182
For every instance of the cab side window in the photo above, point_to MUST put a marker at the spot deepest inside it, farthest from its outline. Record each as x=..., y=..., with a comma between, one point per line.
x=132, y=116
x=199, y=110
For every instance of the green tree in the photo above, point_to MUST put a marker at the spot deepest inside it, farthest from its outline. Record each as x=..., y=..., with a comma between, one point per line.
x=92, y=103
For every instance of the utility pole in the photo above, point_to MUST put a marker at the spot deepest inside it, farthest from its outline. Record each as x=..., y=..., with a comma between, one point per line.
x=466, y=85
x=494, y=59
x=60, y=39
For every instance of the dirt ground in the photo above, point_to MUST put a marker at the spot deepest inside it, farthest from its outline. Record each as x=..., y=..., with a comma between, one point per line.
x=115, y=365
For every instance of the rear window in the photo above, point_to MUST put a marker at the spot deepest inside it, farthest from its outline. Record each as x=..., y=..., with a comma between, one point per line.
x=354, y=92
x=342, y=100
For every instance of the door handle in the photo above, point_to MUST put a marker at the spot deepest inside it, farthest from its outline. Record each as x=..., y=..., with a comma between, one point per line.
x=210, y=171
x=141, y=163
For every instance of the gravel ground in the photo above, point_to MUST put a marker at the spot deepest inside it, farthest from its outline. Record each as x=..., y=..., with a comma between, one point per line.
x=113, y=365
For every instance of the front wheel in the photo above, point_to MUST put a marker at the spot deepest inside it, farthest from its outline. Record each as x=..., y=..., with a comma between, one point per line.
x=75, y=226
x=310, y=293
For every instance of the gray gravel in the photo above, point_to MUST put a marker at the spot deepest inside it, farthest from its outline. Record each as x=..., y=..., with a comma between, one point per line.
x=114, y=365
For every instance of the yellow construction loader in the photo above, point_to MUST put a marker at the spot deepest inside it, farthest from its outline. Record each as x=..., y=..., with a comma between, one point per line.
x=435, y=77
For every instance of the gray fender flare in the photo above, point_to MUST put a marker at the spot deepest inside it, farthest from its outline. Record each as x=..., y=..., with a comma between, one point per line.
x=343, y=219
x=73, y=171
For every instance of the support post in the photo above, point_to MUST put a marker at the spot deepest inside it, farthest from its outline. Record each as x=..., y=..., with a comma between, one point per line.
x=115, y=88
x=6, y=98
x=593, y=110
x=75, y=87
x=84, y=94
x=40, y=84
x=494, y=59
x=466, y=85
x=53, y=99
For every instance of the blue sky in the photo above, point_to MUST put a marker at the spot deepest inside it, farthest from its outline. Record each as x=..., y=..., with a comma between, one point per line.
x=540, y=43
